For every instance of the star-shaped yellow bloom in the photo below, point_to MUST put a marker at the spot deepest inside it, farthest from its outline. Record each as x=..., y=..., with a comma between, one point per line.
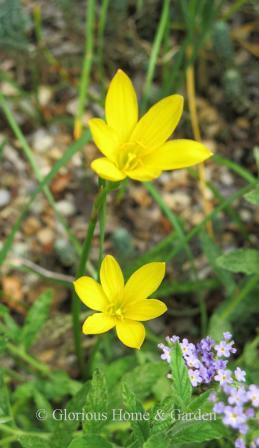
x=138, y=148
x=121, y=305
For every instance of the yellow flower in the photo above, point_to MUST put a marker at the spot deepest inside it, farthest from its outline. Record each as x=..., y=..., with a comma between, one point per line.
x=138, y=148
x=121, y=305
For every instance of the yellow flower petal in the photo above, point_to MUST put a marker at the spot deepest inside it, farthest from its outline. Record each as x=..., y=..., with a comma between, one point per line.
x=156, y=126
x=104, y=137
x=107, y=170
x=98, y=323
x=111, y=277
x=145, y=309
x=90, y=293
x=144, y=281
x=131, y=333
x=144, y=174
x=121, y=106
x=178, y=154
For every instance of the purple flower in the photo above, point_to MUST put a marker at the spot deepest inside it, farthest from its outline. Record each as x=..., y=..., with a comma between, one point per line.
x=234, y=417
x=213, y=397
x=237, y=396
x=220, y=364
x=227, y=335
x=225, y=349
x=195, y=377
x=253, y=395
x=188, y=348
x=166, y=352
x=192, y=361
x=250, y=413
x=224, y=377
x=219, y=407
x=239, y=443
x=240, y=375
x=254, y=443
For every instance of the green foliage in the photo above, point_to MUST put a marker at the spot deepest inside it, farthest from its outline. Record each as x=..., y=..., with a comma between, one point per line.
x=96, y=403
x=245, y=261
x=91, y=440
x=5, y=409
x=36, y=318
x=182, y=388
x=33, y=442
x=253, y=196
x=140, y=427
x=197, y=431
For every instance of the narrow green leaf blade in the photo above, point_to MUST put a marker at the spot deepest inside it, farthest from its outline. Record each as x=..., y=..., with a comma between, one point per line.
x=182, y=387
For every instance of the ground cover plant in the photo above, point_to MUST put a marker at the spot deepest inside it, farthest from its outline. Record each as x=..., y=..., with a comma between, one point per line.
x=129, y=197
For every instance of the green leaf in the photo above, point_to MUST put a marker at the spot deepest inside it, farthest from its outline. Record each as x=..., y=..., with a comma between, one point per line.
x=197, y=431
x=212, y=251
x=147, y=376
x=96, y=403
x=201, y=402
x=218, y=325
x=64, y=429
x=140, y=426
x=245, y=261
x=91, y=441
x=253, y=196
x=117, y=368
x=182, y=388
x=33, y=442
x=36, y=318
x=157, y=441
x=11, y=328
x=5, y=409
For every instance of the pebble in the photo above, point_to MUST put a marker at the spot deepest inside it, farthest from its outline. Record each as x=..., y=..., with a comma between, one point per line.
x=41, y=140
x=65, y=207
x=45, y=236
x=5, y=197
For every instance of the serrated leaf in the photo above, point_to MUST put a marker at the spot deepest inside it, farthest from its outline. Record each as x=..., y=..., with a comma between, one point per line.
x=200, y=402
x=5, y=409
x=96, y=403
x=140, y=427
x=91, y=441
x=197, y=431
x=64, y=429
x=33, y=442
x=161, y=416
x=36, y=318
x=245, y=261
x=182, y=388
x=157, y=441
x=11, y=329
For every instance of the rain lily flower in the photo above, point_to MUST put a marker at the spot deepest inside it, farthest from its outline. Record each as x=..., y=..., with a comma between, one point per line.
x=121, y=305
x=139, y=148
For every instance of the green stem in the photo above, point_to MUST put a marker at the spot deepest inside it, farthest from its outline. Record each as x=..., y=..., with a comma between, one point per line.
x=98, y=204
x=102, y=224
x=101, y=29
x=20, y=353
x=155, y=50
x=87, y=65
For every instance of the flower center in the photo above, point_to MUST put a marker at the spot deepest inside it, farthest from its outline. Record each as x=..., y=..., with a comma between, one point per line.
x=130, y=156
x=115, y=310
